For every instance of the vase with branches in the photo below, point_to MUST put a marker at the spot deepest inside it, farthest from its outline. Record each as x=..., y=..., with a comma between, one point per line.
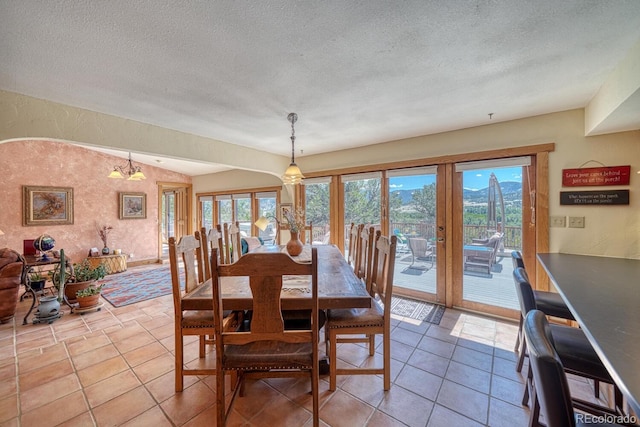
x=295, y=220
x=104, y=231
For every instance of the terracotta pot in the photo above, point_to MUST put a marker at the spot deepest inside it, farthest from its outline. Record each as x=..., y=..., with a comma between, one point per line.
x=294, y=246
x=71, y=288
x=90, y=301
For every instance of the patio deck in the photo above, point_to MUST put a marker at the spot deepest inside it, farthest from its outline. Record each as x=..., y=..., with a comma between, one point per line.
x=496, y=288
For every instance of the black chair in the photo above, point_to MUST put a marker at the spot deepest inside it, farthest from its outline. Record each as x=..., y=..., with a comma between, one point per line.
x=551, y=388
x=550, y=303
x=574, y=349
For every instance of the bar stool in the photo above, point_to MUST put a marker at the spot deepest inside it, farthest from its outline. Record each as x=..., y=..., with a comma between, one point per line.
x=574, y=349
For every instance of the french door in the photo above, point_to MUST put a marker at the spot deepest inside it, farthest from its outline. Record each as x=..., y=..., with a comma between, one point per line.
x=456, y=223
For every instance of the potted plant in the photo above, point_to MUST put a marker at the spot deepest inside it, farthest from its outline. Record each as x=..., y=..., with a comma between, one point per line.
x=37, y=280
x=89, y=296
x=84, y=275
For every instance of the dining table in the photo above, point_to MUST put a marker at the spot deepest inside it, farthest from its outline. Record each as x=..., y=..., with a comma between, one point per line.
x=603, y=295
x=338, y=285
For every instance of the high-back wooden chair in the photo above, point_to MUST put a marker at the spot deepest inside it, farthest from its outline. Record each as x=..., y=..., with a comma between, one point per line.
x=307, y=234
x=187, y=322
x=354, y=241
x=231, y=242
x=209, y=241
x=266, y=349
x=366, y=321
x=365, y=256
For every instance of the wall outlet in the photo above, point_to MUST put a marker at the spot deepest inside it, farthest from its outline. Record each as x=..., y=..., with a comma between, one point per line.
x=131, y=255
x=576, y=222
x=558, y=221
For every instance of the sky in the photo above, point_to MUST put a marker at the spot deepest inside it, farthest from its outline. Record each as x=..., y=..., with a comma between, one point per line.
x=475, y=180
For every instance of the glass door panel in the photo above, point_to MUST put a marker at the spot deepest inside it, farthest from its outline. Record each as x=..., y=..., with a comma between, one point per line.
x=317, y=210
x=412, y=219
x=242, y=205
x=492, y=218
x=267, y=209
x=362, y=202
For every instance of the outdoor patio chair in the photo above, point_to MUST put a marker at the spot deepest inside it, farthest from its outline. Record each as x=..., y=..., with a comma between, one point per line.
x=482, y=253
x=420, y=251
x=403, y=242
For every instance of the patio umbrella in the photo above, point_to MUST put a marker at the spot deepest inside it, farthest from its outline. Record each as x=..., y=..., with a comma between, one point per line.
x=494, y=201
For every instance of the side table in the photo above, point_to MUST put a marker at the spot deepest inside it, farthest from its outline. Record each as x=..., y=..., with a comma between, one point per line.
x=112, y=263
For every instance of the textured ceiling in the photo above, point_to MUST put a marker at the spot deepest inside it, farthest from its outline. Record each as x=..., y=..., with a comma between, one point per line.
x=356, y=72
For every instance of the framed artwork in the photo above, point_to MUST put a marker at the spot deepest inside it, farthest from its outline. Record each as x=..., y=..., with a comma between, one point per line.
x=284, y=207
x=47, y=205
x=133, y=205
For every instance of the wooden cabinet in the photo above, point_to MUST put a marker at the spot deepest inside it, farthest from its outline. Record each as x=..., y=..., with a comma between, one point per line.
x=112, y=263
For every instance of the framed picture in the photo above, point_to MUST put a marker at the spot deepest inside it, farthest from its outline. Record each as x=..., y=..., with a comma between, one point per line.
x=133, y=205
x=47, y=205
x=284, y=207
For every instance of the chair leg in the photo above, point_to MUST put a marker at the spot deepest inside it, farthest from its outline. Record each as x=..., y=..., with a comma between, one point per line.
x=333, y=359
x=372, y=344
x=201, y=345
x=386, y=346
x=316, y=399
x=521, y=356
x=221, y=411
x=178, y=361
x=517, y=346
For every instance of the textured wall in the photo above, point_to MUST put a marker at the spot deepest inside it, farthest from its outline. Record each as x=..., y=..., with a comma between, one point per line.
x=96, y=198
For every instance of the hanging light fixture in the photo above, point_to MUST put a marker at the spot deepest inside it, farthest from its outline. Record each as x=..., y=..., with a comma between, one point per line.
x=293, y=174
x=133, y=173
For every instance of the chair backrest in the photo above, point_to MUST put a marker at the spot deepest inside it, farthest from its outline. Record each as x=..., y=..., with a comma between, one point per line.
x=382, y=269
x=184, y=251
x=265, y=271
x=209, y=241
x=550, y=380
x=516, y=258
x=418, y=246
x=365, y=255
x=354, y=241
x=524, y=291
x=307, y=234
x=201, y=256
x=235, y=245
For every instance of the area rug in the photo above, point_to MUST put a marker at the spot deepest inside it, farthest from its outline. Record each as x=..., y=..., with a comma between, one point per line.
x=417, y=310
x=137, y=284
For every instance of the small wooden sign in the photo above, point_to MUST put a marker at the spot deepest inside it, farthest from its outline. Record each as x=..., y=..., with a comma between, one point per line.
x=605, y=197
x=608, y=175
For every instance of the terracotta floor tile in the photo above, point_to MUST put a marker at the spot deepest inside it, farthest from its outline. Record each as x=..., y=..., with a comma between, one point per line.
x=153, y=417
x=464, y=400
x=154, y=368
x=102, y=370
x=52, y=372
x=144, y=353
x=112, y=387
x=56, y=412
x=124, y=408
x=93, y=357
x=8, y=408
x=181, y=407
x=48, y=392
x=342, y=409
x=473, y=352
x=87, y=344
x=407, y=407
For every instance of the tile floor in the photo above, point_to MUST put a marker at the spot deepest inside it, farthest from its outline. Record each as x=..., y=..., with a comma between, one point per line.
x=115, y=367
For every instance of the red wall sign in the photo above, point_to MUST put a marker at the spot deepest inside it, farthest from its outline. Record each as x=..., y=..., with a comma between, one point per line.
x=609, y=175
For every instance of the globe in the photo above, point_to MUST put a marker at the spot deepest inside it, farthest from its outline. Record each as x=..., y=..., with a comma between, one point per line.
x=44, y=243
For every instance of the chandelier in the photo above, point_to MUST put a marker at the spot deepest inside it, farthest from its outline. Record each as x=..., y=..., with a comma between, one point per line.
x=133, y=173
x=292, y=175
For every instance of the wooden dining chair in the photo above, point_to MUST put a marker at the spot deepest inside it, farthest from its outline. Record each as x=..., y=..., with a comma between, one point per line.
x=266, y=349
x=210, y=240
x=354, y=241
x=366, y=321
x=365, y=256
x=187, y=322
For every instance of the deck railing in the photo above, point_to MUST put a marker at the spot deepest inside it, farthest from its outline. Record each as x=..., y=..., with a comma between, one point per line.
x=512, y=234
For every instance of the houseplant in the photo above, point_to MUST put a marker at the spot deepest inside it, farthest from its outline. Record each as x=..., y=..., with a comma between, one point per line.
x=88, y=297
x=37, y=280
x=84, y=275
